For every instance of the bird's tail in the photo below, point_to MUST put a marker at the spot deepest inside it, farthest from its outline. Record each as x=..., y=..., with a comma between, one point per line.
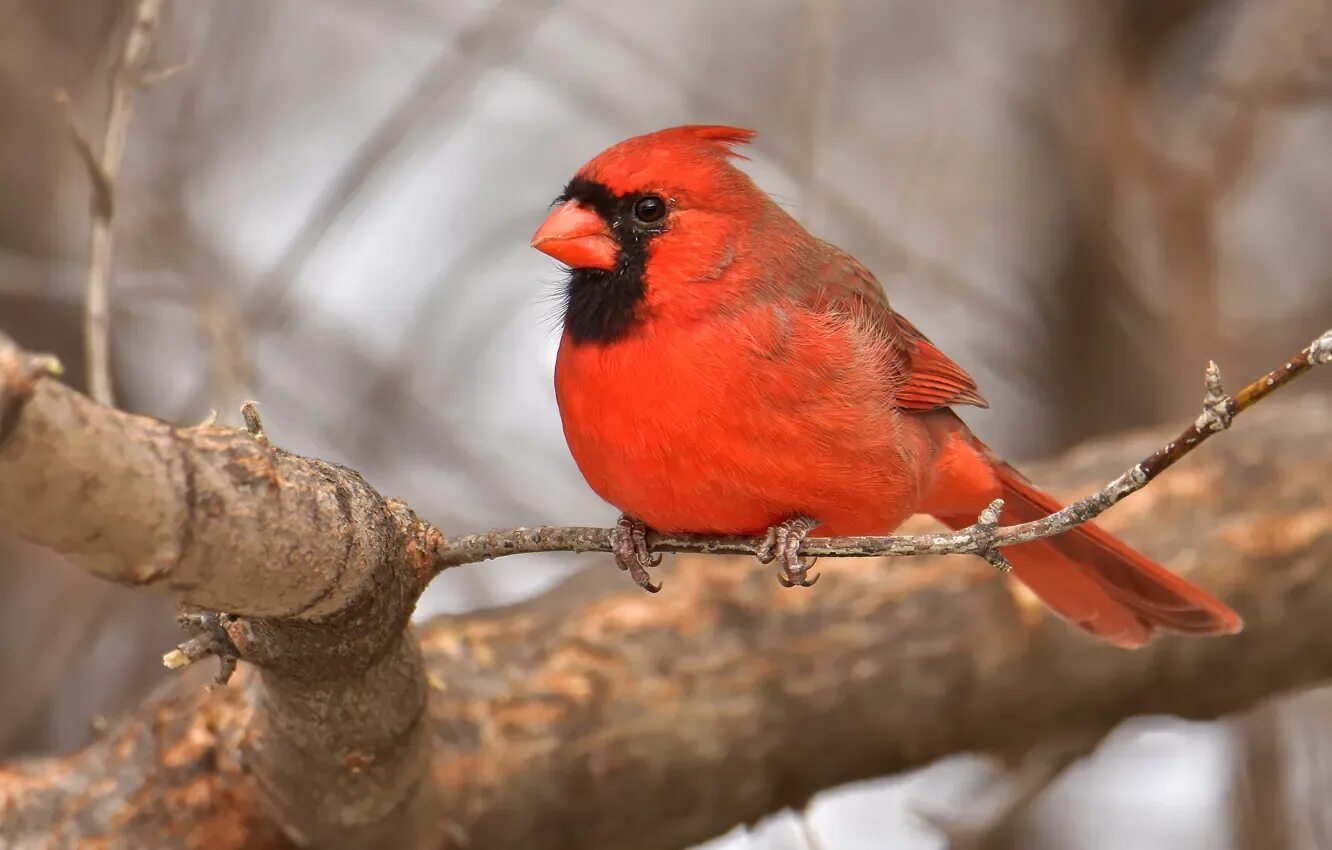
x=1091, y=578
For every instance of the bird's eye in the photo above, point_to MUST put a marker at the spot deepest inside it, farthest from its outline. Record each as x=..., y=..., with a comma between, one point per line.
x=649, y=209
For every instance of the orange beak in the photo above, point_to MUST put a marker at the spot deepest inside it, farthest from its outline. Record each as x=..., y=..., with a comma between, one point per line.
x=577, y=237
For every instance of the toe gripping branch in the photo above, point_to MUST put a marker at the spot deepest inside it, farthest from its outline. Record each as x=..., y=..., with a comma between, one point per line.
x=629, y=545
x=782, y=544
x=983, y=531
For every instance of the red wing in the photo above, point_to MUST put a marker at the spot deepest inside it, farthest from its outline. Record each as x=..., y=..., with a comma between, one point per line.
x=931, y=379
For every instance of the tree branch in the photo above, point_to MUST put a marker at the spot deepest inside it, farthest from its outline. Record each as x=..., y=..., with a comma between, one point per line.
x=724, y=699
x=983, y=538
x=132, y=72
x=998, y=818
x=317, y=571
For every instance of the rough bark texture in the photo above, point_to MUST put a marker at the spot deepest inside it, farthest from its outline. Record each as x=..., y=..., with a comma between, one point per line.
x=597, y=715
x=322, y=571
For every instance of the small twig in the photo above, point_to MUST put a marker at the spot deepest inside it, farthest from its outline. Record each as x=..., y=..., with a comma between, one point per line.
x=210, y=638
x=131, y=72
x=995, y=819
x=102, y=200
x=152, y=76
x=253, y=424
x=1259, y=798
x=232, y=371
x=983, y=538
x=808, y=834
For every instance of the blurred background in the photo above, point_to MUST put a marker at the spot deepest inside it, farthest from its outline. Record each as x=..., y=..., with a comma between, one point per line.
x=327, y=208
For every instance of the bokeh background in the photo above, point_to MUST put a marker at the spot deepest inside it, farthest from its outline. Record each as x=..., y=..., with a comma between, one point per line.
x=327, y=209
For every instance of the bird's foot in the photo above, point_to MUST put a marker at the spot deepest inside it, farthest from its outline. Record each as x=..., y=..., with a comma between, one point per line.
x=629, y=545
x=782, y=544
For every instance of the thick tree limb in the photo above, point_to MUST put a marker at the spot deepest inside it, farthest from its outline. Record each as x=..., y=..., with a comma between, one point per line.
x=323, y=572
x=720, y=700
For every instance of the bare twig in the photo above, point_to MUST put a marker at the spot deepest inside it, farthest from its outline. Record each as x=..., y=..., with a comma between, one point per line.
x=982, y=538
x=808, y=834
x=1258, y=794
x=132, y=73
x=429, y=97
x=997, y=819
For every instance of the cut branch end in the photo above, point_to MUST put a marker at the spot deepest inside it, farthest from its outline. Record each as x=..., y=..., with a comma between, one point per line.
x=211, y=638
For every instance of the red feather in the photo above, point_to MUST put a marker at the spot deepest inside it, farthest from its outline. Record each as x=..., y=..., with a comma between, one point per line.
x=932, y=379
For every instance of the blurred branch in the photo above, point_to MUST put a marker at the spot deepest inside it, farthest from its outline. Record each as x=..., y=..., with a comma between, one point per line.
x=808, y=834
x=813, y=86
x=1282, y=773
x=232, y=369
x=131, y=73
x=788, y=151
x=450, y=74
x=998, y=820
x=58, y=631
x=1258, y=798
x=1156, y=165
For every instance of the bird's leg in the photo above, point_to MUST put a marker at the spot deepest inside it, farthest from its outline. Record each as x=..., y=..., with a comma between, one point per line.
x=629, y=545
x=782, y=544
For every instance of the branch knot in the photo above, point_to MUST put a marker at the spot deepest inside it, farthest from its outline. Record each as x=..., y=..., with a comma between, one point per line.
x=210, y=638
x=253, y=424
x=983, y=533
x=1321, y=350
x=1218, y=408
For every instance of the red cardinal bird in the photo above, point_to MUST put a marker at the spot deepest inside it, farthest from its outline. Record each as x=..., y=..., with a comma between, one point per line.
x=723, y=371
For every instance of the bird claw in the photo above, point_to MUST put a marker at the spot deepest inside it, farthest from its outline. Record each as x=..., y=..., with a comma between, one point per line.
x=782, y=544
x=629, y=545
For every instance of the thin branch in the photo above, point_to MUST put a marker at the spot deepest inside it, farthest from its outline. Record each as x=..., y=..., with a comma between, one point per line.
x=808, y=835
x=998, y=819
x=428, y=101
x=132, y=73
x=982, y=538
x=1259, y=797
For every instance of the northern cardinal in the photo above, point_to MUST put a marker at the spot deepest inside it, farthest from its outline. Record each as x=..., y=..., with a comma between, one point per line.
x=723, y=371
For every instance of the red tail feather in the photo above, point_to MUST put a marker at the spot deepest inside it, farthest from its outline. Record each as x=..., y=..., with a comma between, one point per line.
x=1094, y=580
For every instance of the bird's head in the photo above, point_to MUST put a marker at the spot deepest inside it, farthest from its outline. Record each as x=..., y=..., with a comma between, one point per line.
x=647, y=225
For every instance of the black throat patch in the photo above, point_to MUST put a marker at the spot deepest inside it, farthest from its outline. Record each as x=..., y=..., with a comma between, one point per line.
x=601, y=307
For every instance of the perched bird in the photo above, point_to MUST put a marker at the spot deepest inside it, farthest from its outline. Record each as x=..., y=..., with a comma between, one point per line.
x=723, y=371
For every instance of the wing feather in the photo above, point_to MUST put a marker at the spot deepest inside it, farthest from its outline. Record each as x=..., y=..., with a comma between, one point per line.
x=931, y=379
